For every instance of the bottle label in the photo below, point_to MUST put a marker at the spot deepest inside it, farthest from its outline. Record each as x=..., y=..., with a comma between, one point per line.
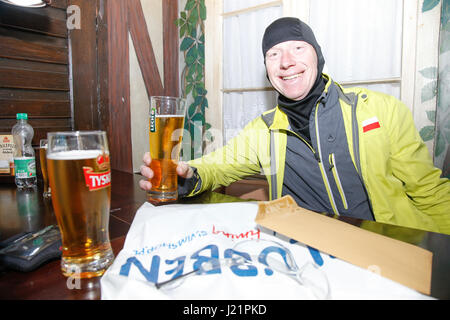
x=25, y=167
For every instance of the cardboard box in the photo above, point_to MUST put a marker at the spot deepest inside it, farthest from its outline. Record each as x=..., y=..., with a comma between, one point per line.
x=399, y=261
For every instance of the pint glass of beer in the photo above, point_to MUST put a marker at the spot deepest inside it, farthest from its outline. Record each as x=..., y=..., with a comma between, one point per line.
x=166, y=134
x=80, y=179
x=43, y=161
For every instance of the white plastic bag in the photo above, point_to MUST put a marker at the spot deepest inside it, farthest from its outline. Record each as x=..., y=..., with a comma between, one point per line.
x=168, y=241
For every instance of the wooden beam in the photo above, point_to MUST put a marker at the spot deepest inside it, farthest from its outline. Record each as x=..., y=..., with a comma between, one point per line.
x=144, y=49
x=83, y=53
x=114, y=20
x=171, y=48
x=119, y=130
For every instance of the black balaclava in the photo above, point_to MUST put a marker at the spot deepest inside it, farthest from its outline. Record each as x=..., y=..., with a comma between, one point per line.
x=298, y=112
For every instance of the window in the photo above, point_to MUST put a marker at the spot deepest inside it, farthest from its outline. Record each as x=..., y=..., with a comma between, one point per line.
x=365, y=43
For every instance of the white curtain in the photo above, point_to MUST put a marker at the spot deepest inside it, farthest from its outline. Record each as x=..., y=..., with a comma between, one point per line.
x=241, y=108
x=360, y=39
x=235, y=5
x=244, y=67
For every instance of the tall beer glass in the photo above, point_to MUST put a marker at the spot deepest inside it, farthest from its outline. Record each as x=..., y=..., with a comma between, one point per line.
x=166, y=134
x=43, y=161
x=80, y=179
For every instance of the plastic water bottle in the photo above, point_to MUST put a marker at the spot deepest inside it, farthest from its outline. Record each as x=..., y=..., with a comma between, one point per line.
x=24, y=157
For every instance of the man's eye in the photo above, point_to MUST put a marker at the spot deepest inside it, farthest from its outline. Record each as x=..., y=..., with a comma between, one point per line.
x=272, y=54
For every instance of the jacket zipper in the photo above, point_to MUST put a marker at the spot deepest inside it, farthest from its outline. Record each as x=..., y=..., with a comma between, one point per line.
x=316, y=156
x=321, y=167
x=335, y=172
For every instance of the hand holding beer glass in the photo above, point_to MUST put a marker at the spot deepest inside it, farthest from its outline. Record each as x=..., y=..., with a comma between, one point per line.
x=80, y=179
x=165, y=135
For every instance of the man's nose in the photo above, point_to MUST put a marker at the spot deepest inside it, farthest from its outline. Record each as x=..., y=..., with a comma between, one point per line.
x=287, y=61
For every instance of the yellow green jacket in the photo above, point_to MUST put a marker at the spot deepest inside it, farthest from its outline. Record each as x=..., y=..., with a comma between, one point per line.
x=403, y=186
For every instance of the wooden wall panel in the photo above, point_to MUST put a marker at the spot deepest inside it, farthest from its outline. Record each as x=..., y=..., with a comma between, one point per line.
x=35, y=109
x=34, y=68
x=19, y=77
x=22, y=45
x=47, y=20
x=61, y=4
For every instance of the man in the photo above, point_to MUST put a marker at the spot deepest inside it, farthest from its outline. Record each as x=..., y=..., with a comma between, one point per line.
x=351, y=152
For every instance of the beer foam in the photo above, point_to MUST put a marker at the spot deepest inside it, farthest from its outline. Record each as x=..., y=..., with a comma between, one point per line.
x=75, y=155
x=169, y=116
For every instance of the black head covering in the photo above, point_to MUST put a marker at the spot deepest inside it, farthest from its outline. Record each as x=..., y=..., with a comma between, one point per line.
x=287, y=29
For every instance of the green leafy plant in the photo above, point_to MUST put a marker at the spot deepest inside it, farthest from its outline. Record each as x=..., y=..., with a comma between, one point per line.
x=440, y=81
x=429, y=4
x=429, y=91
x=192, y=36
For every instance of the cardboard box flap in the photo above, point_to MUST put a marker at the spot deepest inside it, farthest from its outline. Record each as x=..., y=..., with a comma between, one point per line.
x=399, y=261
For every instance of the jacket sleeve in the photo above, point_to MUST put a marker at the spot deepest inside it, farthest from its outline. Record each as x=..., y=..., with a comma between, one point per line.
x=412, y=164
x=236, y=160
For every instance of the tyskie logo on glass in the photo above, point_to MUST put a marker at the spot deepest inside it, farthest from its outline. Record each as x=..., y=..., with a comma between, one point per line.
x=96, y=180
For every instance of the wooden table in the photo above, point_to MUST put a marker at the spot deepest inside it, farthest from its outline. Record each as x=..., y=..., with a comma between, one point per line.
x=29, y=211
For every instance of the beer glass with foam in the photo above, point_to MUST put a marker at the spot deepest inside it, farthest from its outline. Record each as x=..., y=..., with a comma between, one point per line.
x=166, y=134
x=80, y=179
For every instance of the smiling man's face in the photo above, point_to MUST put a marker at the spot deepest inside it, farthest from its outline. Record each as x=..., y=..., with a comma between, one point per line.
x=292, y=68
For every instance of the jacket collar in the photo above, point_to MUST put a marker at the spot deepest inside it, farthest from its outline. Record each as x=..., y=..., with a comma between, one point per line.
x=276, y=119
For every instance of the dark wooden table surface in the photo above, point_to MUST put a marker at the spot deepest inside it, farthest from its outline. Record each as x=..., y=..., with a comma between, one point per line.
x=28, y=211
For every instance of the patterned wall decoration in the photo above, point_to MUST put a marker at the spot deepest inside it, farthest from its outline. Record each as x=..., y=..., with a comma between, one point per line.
x=442, y=150
x=439, y=87
x=192, y=45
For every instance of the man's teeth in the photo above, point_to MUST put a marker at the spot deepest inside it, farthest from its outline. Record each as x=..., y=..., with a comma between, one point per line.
x=291, y=77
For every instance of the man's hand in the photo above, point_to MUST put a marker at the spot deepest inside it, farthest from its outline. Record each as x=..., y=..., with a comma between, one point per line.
x=183, y=170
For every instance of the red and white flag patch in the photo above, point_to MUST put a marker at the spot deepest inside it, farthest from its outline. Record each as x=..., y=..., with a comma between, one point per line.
x=370, y=124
